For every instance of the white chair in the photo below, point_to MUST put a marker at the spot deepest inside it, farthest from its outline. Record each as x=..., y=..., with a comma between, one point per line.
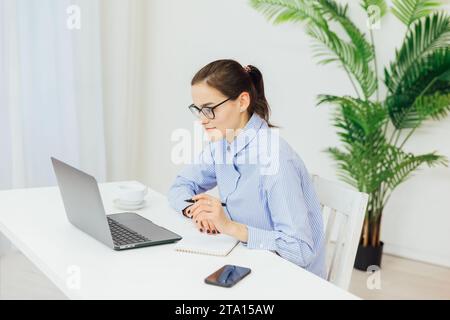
x=344, y=210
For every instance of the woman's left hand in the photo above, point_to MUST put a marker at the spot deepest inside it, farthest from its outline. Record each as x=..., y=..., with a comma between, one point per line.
x=210, y=208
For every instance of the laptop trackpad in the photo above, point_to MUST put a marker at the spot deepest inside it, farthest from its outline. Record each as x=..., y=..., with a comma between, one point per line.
x=144, y=226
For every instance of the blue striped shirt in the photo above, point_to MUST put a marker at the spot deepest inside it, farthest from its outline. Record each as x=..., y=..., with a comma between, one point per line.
x=265, y=186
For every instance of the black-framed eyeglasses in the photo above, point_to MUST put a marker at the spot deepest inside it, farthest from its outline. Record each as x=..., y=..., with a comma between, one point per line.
x=208, y=112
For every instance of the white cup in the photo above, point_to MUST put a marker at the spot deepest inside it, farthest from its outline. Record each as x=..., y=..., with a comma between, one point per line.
x=132, y=193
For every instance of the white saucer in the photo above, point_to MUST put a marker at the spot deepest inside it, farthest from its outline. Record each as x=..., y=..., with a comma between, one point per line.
x=129, y=202
x=129, y=206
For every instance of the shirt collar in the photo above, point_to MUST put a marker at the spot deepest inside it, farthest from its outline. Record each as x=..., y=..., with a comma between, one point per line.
x=247, y=134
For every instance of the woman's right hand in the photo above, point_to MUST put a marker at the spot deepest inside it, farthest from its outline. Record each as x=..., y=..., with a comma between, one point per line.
x=202, y=225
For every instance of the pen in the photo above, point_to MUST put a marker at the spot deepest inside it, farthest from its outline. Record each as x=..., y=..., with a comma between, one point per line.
x=193, y=201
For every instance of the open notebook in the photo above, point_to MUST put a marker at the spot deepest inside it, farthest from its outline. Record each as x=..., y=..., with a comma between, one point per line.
x=215, y=245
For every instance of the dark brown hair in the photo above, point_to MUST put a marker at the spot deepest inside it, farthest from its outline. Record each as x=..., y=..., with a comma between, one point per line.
x=231, y=79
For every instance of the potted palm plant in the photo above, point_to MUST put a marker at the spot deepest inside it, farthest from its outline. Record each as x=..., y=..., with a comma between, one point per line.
x=373, y=129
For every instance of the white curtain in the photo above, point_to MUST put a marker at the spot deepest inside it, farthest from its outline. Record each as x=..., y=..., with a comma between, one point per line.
x=51, y=101
x=69, y=93
x=124, y=30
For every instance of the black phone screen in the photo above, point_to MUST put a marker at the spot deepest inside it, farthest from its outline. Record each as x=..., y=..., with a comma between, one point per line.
x=227, y=276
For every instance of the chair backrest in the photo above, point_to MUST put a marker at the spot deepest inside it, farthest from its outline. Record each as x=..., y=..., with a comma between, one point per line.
x=344, y=210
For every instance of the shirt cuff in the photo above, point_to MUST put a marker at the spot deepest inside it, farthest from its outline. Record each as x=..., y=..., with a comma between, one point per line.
x=260, y=239
x=179, y=204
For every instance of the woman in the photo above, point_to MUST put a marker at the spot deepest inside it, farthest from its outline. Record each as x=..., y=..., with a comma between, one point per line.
x=274, y=210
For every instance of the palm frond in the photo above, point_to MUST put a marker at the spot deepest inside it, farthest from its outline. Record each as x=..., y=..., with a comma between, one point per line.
x=427, y=77
x=400, y=165
x=409, y=11
x=363, y=51
x=360, y=166
x=366, y=117
x=435, y=106
x=360, y=129
x=330, y=48
x=344, y=162
x=354, y=56
x=281, y=11
x=385, y=164
x=430, y=34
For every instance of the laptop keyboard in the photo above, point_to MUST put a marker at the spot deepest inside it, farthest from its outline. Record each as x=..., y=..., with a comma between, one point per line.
x=123, y=236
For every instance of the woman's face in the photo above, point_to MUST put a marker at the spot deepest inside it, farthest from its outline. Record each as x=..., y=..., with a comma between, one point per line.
x=229, y=116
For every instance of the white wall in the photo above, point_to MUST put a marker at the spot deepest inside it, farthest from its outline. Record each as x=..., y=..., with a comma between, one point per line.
x=183, y=36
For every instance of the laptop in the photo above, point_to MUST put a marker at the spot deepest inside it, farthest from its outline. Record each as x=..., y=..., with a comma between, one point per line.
x=84, y=209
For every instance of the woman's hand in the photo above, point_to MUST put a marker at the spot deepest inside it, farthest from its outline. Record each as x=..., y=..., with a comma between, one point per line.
x=208, y=208
x=202, y=225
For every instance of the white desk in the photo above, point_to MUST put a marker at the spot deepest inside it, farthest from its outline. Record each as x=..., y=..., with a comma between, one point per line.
x=35, y=222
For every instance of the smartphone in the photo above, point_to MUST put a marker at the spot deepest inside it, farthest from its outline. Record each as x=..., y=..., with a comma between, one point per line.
x=227, y=276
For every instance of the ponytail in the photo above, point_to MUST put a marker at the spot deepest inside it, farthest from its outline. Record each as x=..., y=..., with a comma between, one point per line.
x=260, y=106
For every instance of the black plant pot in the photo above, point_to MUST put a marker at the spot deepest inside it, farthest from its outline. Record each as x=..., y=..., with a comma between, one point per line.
x=368, y=256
